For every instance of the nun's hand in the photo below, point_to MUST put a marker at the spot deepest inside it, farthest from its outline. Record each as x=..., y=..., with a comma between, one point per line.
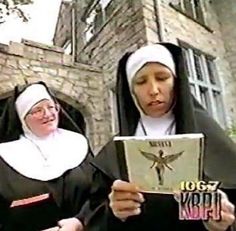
x=227, y=216
x=52, y=229
x=125, y=199
x=70, y=224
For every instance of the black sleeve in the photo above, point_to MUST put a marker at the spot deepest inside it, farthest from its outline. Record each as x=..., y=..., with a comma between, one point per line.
x=101, y=217
x=87, y=169
x=77, y=185
x=4, y=206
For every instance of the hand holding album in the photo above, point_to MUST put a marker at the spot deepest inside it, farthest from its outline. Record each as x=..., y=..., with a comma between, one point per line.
x=227, y=215
x=56, y=228
x=125, y=199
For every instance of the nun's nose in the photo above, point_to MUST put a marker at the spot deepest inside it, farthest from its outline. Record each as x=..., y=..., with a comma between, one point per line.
x=154, y=89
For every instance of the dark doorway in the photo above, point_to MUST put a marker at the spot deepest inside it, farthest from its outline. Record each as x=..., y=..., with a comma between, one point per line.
x=75, y=114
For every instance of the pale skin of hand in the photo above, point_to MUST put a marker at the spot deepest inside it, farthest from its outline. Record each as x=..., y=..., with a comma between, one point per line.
x=125, y=199
x=227, y=214
x=69, y=224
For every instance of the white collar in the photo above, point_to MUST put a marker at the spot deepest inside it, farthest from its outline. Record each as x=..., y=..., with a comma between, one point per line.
x=164, y=125
x=45, y=159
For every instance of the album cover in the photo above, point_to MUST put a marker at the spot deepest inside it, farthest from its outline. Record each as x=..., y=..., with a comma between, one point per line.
x=158, y=165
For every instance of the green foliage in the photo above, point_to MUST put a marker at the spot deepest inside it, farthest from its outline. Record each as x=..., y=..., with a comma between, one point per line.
x=231, y=131
x=10, y=7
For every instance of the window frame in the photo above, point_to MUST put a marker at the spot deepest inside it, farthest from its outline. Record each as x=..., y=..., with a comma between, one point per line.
x=180, y=6
x=212, y=92
x=68, y=45
x=89, y=26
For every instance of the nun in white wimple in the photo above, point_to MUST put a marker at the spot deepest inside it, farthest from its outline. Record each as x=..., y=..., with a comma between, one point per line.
x=150, y=73
x=44, y=173
x=154, y=99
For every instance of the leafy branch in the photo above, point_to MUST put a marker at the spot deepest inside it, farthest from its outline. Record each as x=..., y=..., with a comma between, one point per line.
x=12, y=7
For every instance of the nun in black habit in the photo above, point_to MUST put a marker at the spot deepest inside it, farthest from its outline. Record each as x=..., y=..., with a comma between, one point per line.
x=45, y=174
x=154, y=98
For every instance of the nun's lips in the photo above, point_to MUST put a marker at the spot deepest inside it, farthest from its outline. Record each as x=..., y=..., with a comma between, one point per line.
x=48, y=121
x=155, y=103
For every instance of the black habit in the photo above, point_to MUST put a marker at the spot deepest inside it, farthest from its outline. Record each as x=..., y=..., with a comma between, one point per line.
x=29, y=204
x=160, y=212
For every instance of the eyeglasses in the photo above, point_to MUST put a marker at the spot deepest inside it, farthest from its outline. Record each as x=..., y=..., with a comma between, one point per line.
x=39, y=112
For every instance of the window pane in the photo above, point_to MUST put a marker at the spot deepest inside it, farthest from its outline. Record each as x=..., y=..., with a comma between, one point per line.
x=186, y=62
x=197, y=63
x=205, y=98
x=104, y=3
x=98, y=19
x=219, y=107
x=193, y=89
x=67, y=47
x=89, y=30
x=211, y=70
x=188, y=7
x=198, y=11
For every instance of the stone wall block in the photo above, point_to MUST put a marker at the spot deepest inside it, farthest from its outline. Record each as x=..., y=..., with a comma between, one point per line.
x=16, y=49
x=67, y=60
x=62, y=72
x=23, y=64
x=37, y=69
x=52, y=71
x=12, y=63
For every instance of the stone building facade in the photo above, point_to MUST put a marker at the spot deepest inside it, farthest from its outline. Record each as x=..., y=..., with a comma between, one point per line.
x=78, y=87
x=63, y=31
x=99, y=32
x=105, y=29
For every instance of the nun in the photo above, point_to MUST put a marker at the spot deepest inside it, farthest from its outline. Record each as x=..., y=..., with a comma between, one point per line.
x=44, y=168
x=154, y=99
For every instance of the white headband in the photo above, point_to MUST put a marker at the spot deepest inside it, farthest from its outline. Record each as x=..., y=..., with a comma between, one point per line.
x=29, y=97
x=149, y=53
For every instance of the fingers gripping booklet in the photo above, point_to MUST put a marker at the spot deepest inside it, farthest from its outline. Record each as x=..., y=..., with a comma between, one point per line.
x=158, y=165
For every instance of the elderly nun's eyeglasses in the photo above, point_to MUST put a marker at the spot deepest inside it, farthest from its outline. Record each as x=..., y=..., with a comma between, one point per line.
x=39, y=112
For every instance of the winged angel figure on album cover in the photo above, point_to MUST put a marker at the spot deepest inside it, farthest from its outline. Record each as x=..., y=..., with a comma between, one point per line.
x=161, y=162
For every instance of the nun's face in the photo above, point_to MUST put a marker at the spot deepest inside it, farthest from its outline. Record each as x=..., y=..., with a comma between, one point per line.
x=153, y=87
x=42, y=119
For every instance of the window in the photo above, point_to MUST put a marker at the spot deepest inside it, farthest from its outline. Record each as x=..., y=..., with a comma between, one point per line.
x=113, y=108
x=95, y=17
x=204, y=85
x=67, y=47
x=192, y=8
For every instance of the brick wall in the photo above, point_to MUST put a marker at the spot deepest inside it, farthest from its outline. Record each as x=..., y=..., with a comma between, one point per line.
x=227, y=13
x=63, y=30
